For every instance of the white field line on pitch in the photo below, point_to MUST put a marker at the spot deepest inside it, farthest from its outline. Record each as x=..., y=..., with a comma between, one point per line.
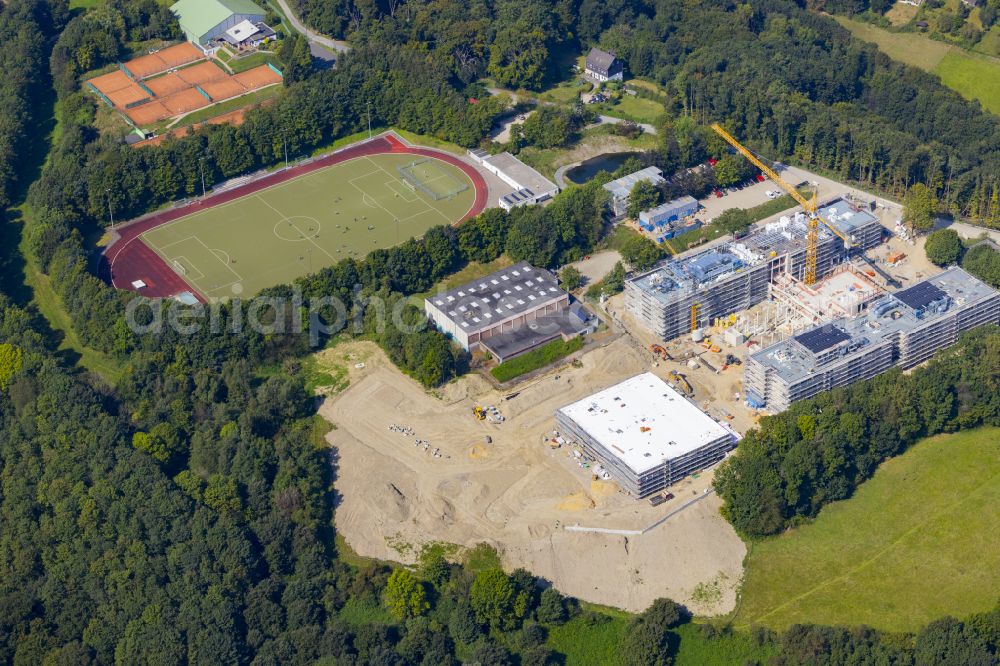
x=239, y=278
x=447, y=221
x=177, y=260
x=276, y=186
x=405, y=219
x=285, y=217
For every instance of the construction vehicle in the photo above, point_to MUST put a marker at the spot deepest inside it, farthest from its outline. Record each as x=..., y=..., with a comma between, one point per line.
x=661, y=352
x=682, y=380
x=732, y=360
x=479, y=413
x=810, y=207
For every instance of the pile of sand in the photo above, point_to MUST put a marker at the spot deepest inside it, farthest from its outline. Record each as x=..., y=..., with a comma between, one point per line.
x=577, y=501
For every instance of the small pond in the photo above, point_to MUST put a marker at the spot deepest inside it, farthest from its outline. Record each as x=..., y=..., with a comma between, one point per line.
x=604, y=162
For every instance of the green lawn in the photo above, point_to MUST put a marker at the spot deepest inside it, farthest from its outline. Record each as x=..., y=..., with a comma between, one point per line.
x=536, y=358
x=297, y=227
x=722, y=649
x=633, y=107
x=254, y=60
x=972, y=75
x=594, y=639
x=918, y=541
x=50, y=306
x=590, y=639
x=365, y=610
x=907, y=47
x=566, y=92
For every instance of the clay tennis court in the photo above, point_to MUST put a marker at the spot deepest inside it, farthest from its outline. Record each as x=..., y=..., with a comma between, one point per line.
x=289, y=223
x=121, y=90
x=223, y=89
x=154, y=96
x=128, y=96
x=201, y=73
x=258, y=77
x=164, y=60
x=185, y=101
x=167, y=84
x=108, y=83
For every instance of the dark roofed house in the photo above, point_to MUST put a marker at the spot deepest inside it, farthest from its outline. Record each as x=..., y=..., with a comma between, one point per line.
x=604, y=66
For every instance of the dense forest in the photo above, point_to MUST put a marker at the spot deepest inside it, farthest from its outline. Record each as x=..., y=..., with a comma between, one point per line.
x=821, y=449
x=792, y=83
x=184, y=515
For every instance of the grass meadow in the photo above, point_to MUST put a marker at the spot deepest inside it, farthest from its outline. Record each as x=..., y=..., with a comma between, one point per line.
x=918, y=541
x=972, y=75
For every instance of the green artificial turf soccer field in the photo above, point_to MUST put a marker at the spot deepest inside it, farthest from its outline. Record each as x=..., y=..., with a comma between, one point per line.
x=297, y=227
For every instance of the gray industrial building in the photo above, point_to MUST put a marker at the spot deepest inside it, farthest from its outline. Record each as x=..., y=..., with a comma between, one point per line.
x=900, y=329
x=509, y=312
x=735, y=276
x=621, y=189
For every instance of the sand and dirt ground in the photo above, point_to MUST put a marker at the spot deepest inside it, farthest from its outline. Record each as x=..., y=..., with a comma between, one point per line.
x=514, y=492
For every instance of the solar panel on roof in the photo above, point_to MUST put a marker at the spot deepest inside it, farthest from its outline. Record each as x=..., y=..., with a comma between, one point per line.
x=920, y=295
x=821, y=339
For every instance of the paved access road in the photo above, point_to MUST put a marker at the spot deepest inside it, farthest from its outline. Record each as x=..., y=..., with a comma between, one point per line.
x=333, y=44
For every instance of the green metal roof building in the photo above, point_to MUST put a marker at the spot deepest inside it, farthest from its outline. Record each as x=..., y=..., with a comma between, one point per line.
x=205, y=20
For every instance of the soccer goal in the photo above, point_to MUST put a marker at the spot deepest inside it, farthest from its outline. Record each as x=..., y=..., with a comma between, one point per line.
x=431, y=178
x=179, y=268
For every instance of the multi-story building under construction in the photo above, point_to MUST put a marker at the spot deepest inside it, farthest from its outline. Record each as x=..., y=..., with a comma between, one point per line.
x=680, y=295
x=900, y=329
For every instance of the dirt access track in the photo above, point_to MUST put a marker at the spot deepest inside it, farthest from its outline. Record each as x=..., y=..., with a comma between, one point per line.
x=516, y=493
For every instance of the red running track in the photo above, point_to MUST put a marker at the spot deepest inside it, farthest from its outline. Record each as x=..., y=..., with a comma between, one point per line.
x=129, y=259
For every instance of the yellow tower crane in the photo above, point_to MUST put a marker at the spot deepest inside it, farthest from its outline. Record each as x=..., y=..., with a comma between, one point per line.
x=812, y=238
x=694, y=317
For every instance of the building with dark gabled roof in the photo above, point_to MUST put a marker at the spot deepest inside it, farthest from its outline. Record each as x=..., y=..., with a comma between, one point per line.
x=604, y=66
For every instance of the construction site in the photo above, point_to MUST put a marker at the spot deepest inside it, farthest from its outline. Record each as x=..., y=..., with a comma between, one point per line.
x=550, y=471
x=830, y=314
x=900, y=329
x=469, y=464
x=683, y=295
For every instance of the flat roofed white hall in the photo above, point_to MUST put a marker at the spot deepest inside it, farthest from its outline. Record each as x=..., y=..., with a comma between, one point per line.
x=648, y=435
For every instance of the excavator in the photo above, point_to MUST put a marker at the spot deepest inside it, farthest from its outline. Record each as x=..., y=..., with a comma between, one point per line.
x=682, y=381
x=810, y=206
x=660, y=352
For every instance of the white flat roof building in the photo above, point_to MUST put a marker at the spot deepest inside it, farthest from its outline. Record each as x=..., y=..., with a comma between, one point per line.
x=648, y=435
x=530, y=187
x=243, y=30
